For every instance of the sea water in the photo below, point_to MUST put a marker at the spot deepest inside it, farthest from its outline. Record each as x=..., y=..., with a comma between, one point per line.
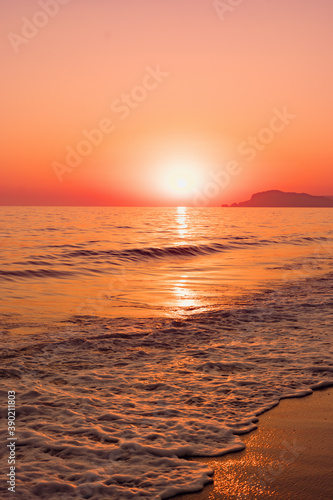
x=136, y=337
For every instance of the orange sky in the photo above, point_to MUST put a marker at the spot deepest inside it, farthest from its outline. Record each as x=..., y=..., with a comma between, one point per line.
x=178, y=91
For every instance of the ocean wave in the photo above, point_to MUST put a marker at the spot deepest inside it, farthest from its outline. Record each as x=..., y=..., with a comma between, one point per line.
x=34, y=273
x=114, y=406
x=136, y=254
x=73, y=254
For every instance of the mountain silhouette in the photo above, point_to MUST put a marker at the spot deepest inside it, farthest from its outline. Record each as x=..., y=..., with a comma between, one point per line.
x=275, y=198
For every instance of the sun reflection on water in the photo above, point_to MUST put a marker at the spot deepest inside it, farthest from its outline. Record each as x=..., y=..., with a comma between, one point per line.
x=182, y=221
x=184, y=296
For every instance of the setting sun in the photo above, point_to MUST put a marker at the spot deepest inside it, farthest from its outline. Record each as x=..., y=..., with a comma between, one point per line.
x=181, y=181
x=181, y=177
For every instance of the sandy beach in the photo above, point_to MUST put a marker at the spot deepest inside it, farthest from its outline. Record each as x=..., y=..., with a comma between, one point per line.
x=289, y=456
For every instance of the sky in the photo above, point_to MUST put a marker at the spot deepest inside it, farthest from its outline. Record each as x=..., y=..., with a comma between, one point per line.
x=178, y=102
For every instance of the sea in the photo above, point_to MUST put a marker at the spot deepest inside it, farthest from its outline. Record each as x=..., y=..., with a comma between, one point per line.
x=133, y=339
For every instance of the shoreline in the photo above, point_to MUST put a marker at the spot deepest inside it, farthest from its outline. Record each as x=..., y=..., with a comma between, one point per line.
x=289, y=456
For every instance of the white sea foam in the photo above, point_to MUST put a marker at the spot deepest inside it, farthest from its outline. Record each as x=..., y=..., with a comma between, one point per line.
x=110, y=409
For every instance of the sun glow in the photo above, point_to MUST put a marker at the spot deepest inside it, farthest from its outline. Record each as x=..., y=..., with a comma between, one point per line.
x=181, y=178
x=181, y=181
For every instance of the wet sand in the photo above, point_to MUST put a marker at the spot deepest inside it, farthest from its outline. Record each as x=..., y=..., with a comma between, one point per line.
x=289, y=456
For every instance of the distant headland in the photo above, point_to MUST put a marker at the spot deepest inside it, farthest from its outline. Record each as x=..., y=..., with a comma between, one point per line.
x=275, y=198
